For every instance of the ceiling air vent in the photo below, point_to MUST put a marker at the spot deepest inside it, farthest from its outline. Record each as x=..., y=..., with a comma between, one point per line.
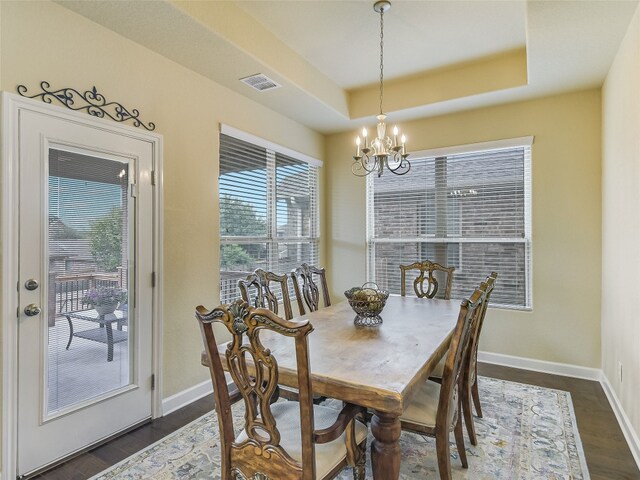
x=260, y=82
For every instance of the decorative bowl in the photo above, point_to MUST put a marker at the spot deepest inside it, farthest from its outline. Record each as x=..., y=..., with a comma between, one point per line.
x=367, y=302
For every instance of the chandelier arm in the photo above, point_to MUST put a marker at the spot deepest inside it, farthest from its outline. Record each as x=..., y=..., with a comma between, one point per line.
x=356, y=171
x=369, y=163
x=403, y=164
x=363, y=164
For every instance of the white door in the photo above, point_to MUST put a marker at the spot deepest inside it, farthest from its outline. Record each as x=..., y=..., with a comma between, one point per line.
x=85, y=284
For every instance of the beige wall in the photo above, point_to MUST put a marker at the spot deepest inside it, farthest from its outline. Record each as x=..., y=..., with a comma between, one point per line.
x=44, y=41
x=621, y=223
x=564, y=325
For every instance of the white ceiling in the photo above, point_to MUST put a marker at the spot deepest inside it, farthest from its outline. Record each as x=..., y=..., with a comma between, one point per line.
x=341, y=39
x=324, y=51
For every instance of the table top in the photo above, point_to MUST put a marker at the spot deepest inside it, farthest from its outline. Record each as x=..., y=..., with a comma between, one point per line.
x=93, y=316
x=376, y=367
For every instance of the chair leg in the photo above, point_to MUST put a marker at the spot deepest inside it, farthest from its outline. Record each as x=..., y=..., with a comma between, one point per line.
x=276, y=395
x=476, y=397
x=460, y=442
x=358, y=470
x=444, y=458
x=467, y=411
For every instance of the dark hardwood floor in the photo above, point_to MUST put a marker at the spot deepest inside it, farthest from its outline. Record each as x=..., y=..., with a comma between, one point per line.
x=606, y=450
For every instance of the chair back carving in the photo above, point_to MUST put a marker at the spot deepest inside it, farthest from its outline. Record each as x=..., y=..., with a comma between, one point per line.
x=255, y=372
x=426, y=275
x=264, y=297
x=489, y=284
x=306, y=288
x=456, y=356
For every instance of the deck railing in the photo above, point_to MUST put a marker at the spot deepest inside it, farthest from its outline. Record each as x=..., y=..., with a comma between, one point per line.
x=229, y=285
x=69, y=290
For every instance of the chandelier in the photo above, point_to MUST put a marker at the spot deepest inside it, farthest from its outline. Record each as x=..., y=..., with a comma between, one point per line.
x=382, y=151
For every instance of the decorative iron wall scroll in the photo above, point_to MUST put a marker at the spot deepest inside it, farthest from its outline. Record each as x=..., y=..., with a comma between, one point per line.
x=90, y=101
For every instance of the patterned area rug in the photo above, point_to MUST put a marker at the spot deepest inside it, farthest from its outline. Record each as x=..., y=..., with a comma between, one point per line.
x=527, y=433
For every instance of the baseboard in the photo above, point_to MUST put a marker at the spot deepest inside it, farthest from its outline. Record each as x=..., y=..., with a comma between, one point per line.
x=555, y=368
x=185, y=397
x=629, y=432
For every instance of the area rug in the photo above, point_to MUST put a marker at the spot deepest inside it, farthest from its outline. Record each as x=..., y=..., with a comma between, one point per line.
x=527, y=433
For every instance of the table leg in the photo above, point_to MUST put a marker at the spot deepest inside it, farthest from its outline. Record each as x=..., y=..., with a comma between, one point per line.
x=70, y=331
x=385, y=449
x=109, y=328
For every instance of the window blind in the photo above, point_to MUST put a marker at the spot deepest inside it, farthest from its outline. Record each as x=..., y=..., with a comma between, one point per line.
x=268, y=212
x=470, y=210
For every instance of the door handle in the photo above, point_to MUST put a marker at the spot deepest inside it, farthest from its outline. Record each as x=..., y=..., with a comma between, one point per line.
x=32, y=310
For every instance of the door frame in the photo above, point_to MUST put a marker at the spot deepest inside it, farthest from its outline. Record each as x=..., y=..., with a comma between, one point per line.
x=12, y=104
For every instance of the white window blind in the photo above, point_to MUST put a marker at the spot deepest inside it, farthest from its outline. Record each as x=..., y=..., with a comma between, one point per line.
x=268, y=212
x=469, y=210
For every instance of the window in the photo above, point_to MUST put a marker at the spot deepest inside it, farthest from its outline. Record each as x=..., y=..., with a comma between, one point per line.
x=268, y=209
x=467, y=207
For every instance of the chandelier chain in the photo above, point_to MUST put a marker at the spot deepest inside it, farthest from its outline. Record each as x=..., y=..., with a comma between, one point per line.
x=381, y=57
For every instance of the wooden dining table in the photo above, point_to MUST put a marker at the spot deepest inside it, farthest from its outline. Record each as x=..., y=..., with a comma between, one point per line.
x=379, y=368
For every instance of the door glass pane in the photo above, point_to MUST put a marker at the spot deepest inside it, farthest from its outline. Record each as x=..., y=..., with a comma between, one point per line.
x=88, y=289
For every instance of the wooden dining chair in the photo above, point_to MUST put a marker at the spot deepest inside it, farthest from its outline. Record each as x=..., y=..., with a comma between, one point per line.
x=435, y=409
x=306, y=288
x=471, y=380
x=264, y=297
x=260, y=282
x=469, y=391
x=284, y=440
x=432, y=286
